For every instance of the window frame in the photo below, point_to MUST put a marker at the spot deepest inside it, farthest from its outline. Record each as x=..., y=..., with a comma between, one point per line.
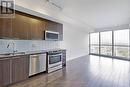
x=113, y=46
x=94, y=44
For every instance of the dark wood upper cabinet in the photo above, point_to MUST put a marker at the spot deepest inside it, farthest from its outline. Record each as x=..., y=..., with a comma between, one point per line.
x=51, y=26
x=5, y=75
x=56, y=27
x=27, y=27
x=20, y=27
x=20, y=68
x=6, y=28
x=37, y=28
x=60, y=30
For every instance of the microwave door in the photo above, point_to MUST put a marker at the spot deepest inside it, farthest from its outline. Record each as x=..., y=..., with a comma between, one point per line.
x=51, y=35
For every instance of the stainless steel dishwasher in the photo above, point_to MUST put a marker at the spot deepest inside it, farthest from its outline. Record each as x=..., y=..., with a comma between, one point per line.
x=37, y=64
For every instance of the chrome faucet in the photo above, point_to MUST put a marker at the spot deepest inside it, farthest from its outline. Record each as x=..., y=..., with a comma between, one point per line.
x=13, y=46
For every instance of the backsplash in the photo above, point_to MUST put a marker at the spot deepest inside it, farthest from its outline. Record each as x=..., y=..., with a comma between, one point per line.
x=28, y=45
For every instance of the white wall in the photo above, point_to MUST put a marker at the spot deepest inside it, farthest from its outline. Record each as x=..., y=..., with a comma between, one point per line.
x=75, y=41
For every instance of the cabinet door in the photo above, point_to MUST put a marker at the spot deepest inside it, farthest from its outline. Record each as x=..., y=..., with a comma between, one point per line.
x=51, y=26
x=20, y=27
x=20, y=68
x=37, y=28
x=56, y=27
x=60, y=30
x=5, y=74
x=6, y=28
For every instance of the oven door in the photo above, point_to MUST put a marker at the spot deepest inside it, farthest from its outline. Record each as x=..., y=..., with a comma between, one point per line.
x=54, y=60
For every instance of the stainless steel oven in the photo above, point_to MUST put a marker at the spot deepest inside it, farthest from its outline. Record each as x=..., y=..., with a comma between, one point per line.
x=54, y=61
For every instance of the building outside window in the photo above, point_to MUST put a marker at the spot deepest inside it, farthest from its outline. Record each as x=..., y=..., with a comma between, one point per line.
x=111, y=43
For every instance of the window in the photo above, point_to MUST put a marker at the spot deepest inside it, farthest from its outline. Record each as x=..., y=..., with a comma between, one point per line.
x=106, y=50
x=121, y=43
x=95, y=49
x=111, y=43
x=94, y=42
x=94, y=38
x=121, y=51
x=106, y=43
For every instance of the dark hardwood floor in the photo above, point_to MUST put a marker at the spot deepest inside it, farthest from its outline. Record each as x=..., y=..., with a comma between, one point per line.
x=88, y=71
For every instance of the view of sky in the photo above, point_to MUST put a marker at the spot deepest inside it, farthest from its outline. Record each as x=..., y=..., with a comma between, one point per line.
x=121, y=37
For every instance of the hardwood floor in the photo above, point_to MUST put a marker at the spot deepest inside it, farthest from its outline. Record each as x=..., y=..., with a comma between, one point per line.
x=88, y=71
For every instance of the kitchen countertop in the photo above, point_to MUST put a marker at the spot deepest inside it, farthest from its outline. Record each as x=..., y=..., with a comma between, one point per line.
x=28, y=53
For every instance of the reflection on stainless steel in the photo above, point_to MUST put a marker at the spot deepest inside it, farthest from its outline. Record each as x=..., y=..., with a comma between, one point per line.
x=37, y=64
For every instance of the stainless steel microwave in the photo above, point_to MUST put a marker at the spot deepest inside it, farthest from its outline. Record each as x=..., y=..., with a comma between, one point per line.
x=51, y=35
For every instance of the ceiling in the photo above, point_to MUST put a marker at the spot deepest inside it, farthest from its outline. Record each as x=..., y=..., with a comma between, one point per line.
x=99, y=13
x=95, y=13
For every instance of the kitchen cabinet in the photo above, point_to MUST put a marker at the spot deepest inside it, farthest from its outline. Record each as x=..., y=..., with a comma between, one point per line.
x=26, y=27
x=20, y=27
x=60, y=30
x=56, y=27
x=13, y=69
x=51, y=26
x=5, y=72
x=20, y=68
x=37, y=28
x=63, y=57
x=5, y=28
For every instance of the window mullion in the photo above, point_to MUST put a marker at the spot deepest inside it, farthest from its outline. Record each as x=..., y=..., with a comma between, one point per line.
x=112, y=43
x=99, y=43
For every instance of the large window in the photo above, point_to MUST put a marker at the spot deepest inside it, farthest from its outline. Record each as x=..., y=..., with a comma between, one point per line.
x=111, y=43
x=94, y=41
x=106, y=43
x=121, y=43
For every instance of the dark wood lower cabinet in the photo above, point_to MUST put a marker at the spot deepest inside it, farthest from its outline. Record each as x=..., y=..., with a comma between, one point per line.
x=5, y=69
x=20, y=68
x=13, y=69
